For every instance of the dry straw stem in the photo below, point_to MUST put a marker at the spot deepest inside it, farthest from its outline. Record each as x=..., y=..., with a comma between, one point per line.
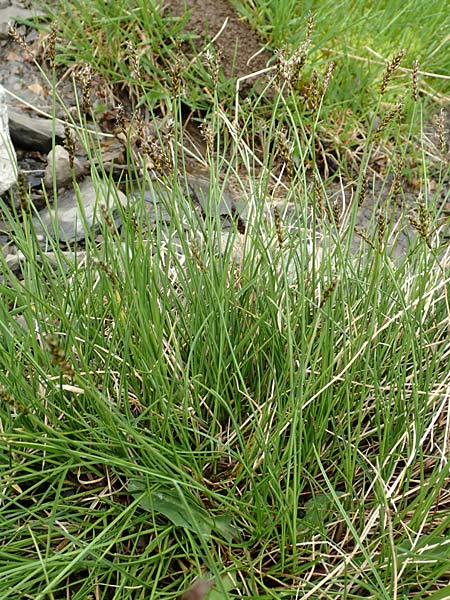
x=415, y=80
x=441, y=133
x=47, y=115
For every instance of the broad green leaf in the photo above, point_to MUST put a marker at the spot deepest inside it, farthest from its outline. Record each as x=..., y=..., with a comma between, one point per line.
x=223, y=524
x=180, y=510
x=221, y=593
x=316, y=510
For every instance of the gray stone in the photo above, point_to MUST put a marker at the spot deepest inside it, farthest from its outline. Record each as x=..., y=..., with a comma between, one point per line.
x=58, y=162
x=161, y=208
x=8, y=159
x=10, y=12
x=16, y=260
x=33, y=133
x=199, y=187
x=76, y=212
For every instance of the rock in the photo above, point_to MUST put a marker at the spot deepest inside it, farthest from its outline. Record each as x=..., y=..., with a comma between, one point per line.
x=196, y=185
x=8, y=159
x=10, y=12
x=16, y=260
x=78, y=211
x=62, y=168
x=161, y=208
x=226, y=204
x=33, y=133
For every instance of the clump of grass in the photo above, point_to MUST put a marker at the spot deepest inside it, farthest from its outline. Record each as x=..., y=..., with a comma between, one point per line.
x=263, y=411
x=273, y=417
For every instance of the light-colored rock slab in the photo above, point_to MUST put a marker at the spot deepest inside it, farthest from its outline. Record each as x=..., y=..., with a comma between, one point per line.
x=8, y=159
x=78, y=211
x=58, y=162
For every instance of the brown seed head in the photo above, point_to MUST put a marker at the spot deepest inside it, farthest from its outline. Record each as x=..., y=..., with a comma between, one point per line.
x=69, y=144
x=391, y=67
x=389, y=117
x=51, y=46
x=58, y=355
x=107, y=270
x=422, y=224
x=396, y=187
x=328, y=292
x=134, y=60
x=313, y=92
x=362, y=191
x=120, y=119
x=176, y=72
x=8, y=398
x=21, y=41
x=24, y=196
x=327, y=78
x=85, y=77
x=285, y=149
x=207, y=133
x=318, y=196
x=278, y=226
x=381, y=229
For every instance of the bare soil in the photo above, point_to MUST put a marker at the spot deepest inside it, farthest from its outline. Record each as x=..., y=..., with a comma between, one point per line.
x=243, y=51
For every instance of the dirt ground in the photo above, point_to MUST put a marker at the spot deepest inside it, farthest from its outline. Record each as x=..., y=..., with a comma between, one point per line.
x=243, y=52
